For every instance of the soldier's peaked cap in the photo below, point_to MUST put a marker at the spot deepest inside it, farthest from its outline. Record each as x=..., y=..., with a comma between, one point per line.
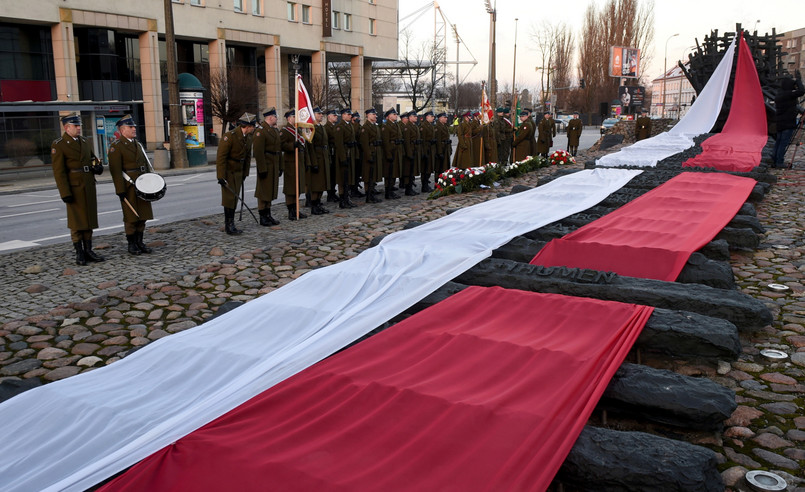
x=332, y=111
x=370, y=111
x=356, y=114
x=127, y=120
x=346, y=111
x=270, y=112
x=500, y=110
x=71, y=119
x=390, y=111
x=428, y=113
x=317, y=110
x=247, y=119
x=290, y=113
x=441, y=114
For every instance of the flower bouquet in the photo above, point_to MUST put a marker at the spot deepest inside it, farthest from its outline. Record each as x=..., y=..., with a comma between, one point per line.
x=561, y=157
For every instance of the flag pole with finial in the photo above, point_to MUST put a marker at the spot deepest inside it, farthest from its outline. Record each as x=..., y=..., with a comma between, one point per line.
x=514, y=92
x=295, y=59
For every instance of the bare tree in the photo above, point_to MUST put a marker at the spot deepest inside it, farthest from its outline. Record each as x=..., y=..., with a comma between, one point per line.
x=232, y=93
x=555, y=46
x=469, y=96
x=618, y=23
x=340, y=78
x=419, y=70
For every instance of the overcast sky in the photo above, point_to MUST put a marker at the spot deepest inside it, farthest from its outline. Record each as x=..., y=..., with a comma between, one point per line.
x=690, y=18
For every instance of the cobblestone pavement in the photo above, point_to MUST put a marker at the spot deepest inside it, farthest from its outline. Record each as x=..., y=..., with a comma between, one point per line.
x=58, y=319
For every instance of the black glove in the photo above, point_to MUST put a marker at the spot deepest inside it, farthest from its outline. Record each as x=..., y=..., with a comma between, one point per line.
x=122, y=197
x=222, y=181
x=440, y=156
x=315, y=169
x=97, y=169
x=298, y=144
x=262, y=175
x=68, y=199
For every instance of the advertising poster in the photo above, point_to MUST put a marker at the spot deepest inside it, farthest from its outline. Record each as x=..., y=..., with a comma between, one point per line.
x=624, y=62
x=192, y=138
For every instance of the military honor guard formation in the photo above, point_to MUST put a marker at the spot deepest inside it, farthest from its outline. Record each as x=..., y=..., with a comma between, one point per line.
x=337, y=155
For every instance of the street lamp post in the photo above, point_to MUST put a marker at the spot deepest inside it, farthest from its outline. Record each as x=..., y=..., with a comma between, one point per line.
x=493, y=86
x=665, y=71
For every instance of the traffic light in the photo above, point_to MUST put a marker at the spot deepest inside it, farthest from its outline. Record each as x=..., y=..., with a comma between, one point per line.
x=581, y=83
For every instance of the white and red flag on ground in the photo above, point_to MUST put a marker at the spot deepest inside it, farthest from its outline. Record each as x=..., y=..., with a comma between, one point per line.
x=304, y=111
x=486, y=108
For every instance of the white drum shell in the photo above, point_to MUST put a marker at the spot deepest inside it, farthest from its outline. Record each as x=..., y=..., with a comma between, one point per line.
x=150, y=187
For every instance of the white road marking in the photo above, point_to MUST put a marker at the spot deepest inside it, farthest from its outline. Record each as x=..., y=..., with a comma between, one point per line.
x=16, y=244
x=29, y=204
x=28, y=213
x=118, y=226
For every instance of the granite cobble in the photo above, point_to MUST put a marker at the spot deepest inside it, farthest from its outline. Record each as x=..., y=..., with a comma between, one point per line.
x=91, y=316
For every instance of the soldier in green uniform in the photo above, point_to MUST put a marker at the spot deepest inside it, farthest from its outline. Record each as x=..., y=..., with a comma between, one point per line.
x=319, y=164
x=232, y=165
x=642, y=126
x=428, y=132
x=463, y=157
x=411, y=145
x=295, y=160
x=267, y=154
x=371, y=142
x=574, y=128
x=74, y=168
x=546, y=132
x=477, y=144
x=345, y=145
x=503, y=134
x=332, y=120
x=444, y=146
x=127, y=161
x=392, y=152
x=354, y=186
x=521, y=146
x=490, y=140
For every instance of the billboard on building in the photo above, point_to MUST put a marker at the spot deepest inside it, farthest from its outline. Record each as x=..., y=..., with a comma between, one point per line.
x=624, y=62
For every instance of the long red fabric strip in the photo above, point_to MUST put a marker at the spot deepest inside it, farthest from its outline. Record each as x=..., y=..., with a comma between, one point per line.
x=738, y=147
x=487, y=390
x=654, y=235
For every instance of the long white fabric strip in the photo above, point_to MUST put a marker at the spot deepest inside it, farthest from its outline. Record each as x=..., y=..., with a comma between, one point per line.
x=74, y=433
x=699, y=119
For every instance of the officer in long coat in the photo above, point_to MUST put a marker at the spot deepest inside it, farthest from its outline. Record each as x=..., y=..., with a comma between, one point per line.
x=354, y=185
x=504, y=131
x=232, y=165
x=295, y=159
x=319, y=164
x=412, y=145
x=444, y=146
x=642, y=127
x=477, y=144
x=490, y=143
x=127, y=161
x=521, y=146
x=574, y=128
x=267, y=150
x=392, y=152
x=332, y=120
x=463, y=157
x=371, y=141
x=345, y=147
x=74, y=169
x=427, y=131
x=546, y=131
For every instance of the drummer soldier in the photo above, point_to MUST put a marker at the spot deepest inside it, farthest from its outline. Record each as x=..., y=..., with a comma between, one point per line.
x=74, y=168
x=127, y=161
x=232, y=166
x=267, y=156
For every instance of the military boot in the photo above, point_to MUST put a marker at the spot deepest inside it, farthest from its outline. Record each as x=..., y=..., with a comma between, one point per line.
x=292, y=212
x=409, y=190
x=229, y=222
x=140, y=244
x=331, y=196
x=80, y=259
x=270, y=217
x=264, y=221
x=133, y=249
x=90, y=255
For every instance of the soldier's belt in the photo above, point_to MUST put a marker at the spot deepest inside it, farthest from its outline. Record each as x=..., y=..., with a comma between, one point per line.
x=447, y=141
x=377, y=143
x=398, y=141
x=350, y=144
x=320, y=146
x=272, y=152
x=433, y=141
x=139, y=169
x=85, y=169
x=418, y=141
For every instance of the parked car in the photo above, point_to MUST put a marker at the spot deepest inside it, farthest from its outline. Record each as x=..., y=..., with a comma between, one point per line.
x=561, y=122
x=607, y=124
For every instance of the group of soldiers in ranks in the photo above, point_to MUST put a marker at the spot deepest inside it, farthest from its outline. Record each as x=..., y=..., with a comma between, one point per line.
x=74, y=169
x=341, y=154
x=497, y=142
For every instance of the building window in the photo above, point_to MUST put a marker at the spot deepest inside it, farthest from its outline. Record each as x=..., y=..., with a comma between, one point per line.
x=257, y=7
x=336, y=20
x=238, y=5
x=198, y=3
x=372, y=26
x=347, y=22
x=291, y=11
x=372, y=2
x=306, y=14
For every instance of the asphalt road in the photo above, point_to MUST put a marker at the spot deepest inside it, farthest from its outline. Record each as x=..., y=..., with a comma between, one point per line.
x=33, y=218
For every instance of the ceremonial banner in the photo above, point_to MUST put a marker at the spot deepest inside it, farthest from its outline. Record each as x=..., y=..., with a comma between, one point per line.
x=486, y=108
x=486, y=390
x=304, y=111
